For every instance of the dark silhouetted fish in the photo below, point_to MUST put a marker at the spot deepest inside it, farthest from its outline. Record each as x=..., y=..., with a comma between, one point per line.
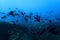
x=47, y=12
x=51, y=11
x=41, y=32
x=37, y=18
x=3, y=13
x=13, y=22
x=9, y=8
x=0, y=12
x=19, y=11
x=21, y=39
x=53, y=31
x=17, y=14
x=50, y=21
x=26, y=19
x=17, y=20
x=16, y=8
x=30, y=16
x=3, y=17
x=26, y=16
x=12, y=13
x=22, y=13
x=32, y=31
x=46, y=19
x=58, y=18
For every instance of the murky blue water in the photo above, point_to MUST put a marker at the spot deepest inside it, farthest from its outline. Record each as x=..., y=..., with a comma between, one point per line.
x=45, y=8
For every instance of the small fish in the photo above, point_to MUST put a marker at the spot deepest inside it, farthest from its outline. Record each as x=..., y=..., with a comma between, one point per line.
x=3, y=13
x=46, y=19
x=26, y=19
x=9, y=8
x=3, y=17
x=58, y=18
x=16, y=8
x=17, y=14
x=7, y=14
x=22, y=13
x=12, y=13
x=50, y=21
x=47, y=12
x=26, y=16
x=51, y=11
x=41, y=32
x=30, y=16
x=21, y=39
x=37, y=18
x=32, y=31
x=0, y=12
x=53, y=31
x=17, y=20
x=13, y=22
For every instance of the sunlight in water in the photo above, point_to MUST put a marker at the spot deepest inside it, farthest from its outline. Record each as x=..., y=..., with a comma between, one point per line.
x=29, y=5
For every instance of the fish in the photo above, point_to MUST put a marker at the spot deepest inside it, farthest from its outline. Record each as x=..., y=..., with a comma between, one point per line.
x=50, y=21
x=16, y=8
x=41, y=31
x=17, y=20
x=12, y=13
x=26, y=19
x=3, y=17
x=27, y=16
x=3, y=13
x=22, y=13
x=58, y=18
x=30, y=16
x=52, y=30
x=13, y=22
x=37, y=18
x=17, y=14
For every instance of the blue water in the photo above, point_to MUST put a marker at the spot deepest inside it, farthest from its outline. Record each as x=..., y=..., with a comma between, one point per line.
x=45, y=8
